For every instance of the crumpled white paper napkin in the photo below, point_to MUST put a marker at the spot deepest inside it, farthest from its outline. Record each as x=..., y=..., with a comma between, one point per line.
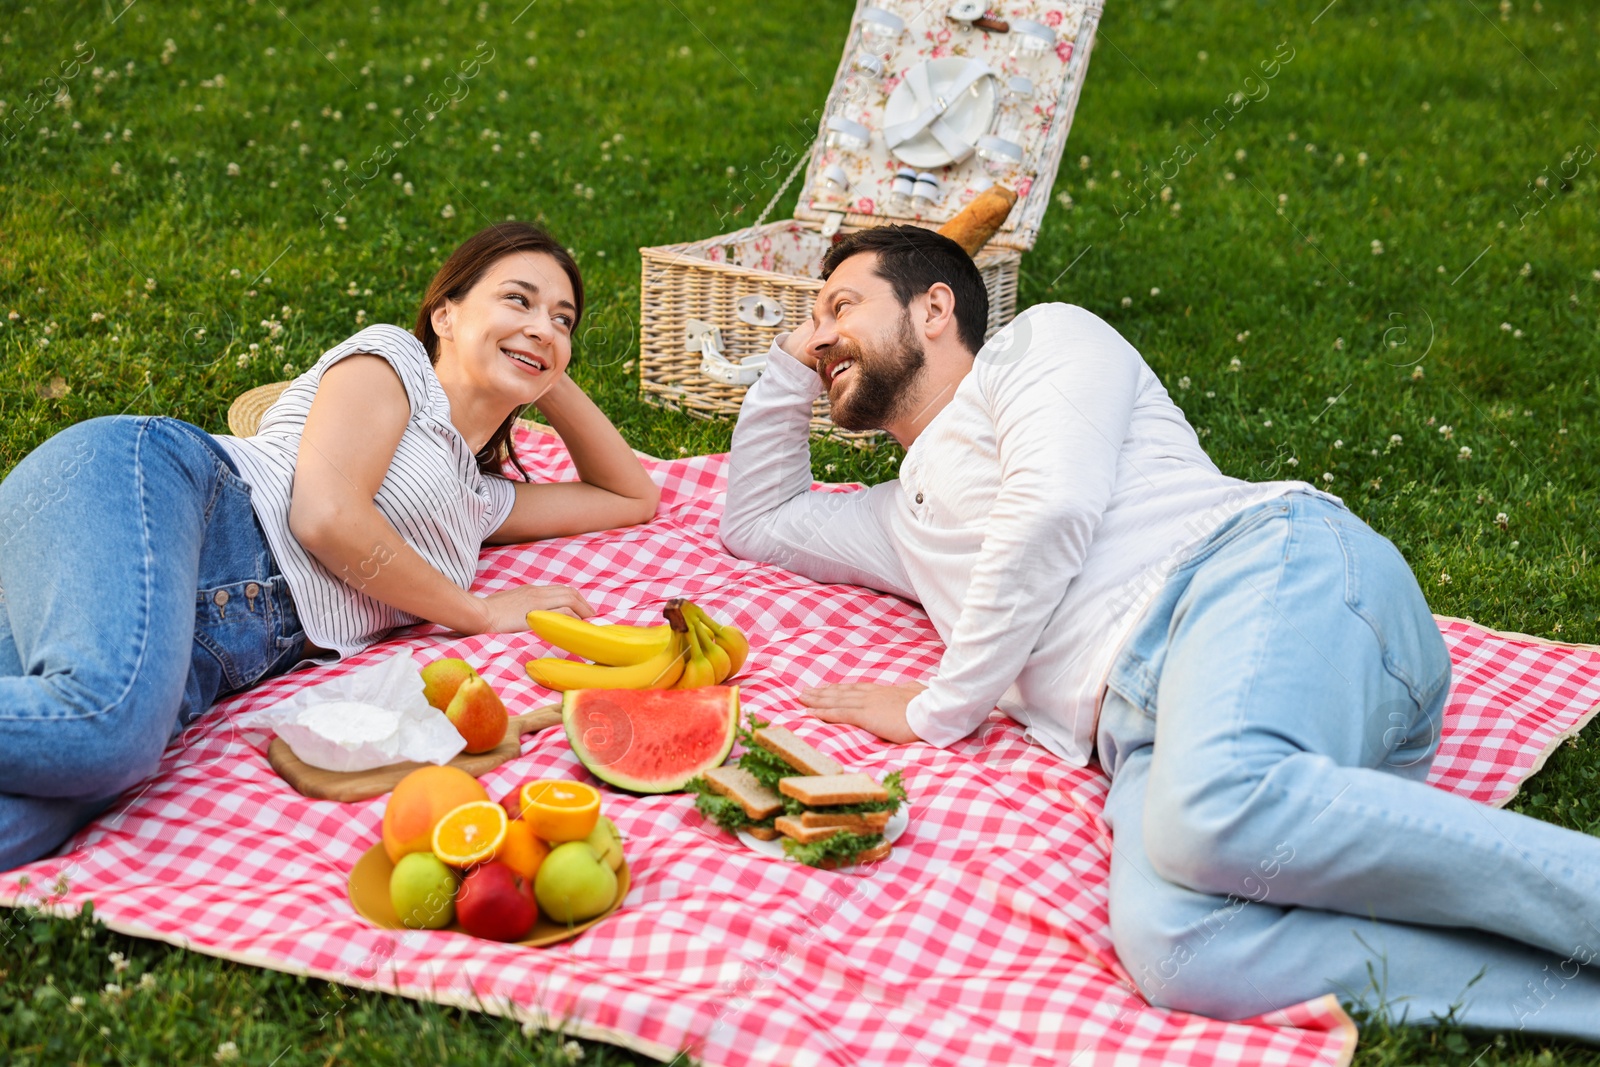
x=371, y=717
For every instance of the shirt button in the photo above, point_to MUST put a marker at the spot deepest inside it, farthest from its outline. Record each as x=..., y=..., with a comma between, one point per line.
x=220, y=598
x=919, y=498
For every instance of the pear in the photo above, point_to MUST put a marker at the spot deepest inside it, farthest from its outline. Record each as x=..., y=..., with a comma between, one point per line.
x=423, y=892
x=477, y=714
x=441, y=679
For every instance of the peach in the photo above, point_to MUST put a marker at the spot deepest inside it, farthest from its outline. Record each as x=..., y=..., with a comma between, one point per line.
x=419, y=801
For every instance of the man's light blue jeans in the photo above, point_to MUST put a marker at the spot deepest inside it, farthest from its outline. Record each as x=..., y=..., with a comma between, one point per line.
x=138, y=589
x=1268, y=732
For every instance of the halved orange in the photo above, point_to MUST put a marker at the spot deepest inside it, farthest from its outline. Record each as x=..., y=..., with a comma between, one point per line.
x=560, y=810
x=522, y=851
x=470, y=833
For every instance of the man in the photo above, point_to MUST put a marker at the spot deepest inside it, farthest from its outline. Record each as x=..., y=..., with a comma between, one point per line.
x=1255, y=668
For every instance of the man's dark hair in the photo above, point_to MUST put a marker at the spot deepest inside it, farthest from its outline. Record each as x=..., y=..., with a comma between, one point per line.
x=912, y=259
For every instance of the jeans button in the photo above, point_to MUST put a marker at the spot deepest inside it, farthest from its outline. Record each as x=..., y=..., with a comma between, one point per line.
x=220, y=598
x=251, y=591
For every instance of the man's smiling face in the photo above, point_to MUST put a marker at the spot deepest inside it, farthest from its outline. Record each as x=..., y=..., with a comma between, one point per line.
x=868, y=353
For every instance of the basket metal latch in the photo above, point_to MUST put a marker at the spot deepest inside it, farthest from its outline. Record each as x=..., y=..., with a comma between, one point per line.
x=706, y=339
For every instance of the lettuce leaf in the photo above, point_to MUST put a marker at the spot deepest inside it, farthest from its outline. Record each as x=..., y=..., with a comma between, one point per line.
x=841, y=846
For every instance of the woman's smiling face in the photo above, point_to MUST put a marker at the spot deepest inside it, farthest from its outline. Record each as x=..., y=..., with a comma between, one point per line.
x=511, y=334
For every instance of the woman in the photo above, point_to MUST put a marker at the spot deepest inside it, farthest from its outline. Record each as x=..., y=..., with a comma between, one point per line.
x=149, y=569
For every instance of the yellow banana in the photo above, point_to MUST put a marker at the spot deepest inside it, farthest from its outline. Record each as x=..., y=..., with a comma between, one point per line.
x=660, y=671
x=729, y=638
x=613, y=646
x=721, y=665
x=697, y=671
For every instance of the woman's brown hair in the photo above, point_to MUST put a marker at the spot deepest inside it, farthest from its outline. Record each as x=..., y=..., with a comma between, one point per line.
x=466, y=265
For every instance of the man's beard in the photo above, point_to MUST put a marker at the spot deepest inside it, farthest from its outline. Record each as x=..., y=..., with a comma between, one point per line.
x=883, y=379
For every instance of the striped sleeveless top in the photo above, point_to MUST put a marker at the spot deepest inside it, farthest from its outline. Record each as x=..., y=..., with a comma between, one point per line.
x=433, y=493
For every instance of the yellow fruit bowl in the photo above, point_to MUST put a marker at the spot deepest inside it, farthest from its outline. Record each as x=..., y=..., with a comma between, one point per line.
x=369, y=895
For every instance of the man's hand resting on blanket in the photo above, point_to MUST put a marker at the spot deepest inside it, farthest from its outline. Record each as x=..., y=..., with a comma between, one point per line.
x=879, y=709
x=506, y=612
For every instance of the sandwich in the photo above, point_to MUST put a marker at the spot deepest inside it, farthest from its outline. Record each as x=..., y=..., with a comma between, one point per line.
x=784, y=789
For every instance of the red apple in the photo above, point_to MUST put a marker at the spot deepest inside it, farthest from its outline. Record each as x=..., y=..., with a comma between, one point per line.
x=497, y=903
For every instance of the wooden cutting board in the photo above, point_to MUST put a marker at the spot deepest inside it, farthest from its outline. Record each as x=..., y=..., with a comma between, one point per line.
x=347, y=786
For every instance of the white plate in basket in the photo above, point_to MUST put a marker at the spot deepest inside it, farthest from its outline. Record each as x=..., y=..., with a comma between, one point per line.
x=968, y=116
x=774, y=848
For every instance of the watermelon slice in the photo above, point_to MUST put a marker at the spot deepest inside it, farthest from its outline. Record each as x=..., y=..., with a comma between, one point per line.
x=651, y=740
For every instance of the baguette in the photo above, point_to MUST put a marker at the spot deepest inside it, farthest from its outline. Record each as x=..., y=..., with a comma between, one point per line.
x=871, y=822
x=789, y=826
x=795, y=752
x=741, y=787
x=981, y=219
x=866, y=855
x=816, y=791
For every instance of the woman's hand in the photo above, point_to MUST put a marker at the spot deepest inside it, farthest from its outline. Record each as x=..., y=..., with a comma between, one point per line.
x=878, y=709
x=506, y=612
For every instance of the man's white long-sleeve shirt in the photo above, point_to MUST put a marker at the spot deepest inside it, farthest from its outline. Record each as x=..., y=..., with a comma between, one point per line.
x=1034, y=518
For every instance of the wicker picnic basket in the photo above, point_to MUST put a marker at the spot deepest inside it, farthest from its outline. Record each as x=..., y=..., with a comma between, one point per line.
x=967, y=96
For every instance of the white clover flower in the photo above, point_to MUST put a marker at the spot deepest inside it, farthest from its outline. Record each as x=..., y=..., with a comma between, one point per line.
x=1502, y=520
x=1292, y=461
x=1361, y=159
x=1338, y=344
x=233, y=170
x=1444, y=579
x=1395, y=439
x=77, y=1001
x=119, y=962
x=1447, y=431
x=1155, y=290
x=147, y=981
x=1416, y=375
x=1239, y=155
x=1338, y=444
x=1083, y=162
x=1234, y=365
x=1327, y=476
x=1267, y=423
x=1377, y=247
x=448, y=212
x=1465, y=453
x=150, y=285
x=1127, y=301
x=1183, y=383
x=226, y=1052
x=1527, y=269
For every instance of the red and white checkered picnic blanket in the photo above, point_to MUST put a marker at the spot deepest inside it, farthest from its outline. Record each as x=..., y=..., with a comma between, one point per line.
x=982, y=939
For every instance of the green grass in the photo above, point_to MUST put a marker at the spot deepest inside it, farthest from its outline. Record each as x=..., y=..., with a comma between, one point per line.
x=1429, y=120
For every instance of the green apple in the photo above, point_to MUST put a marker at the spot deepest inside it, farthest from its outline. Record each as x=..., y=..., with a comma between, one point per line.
x=423, y=891
x=574, y=883
x=607, y=841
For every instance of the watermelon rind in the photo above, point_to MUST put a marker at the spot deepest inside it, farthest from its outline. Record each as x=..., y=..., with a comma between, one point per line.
x=629, y=749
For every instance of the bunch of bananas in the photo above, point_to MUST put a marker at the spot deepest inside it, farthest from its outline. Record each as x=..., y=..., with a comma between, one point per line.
x=691, y=650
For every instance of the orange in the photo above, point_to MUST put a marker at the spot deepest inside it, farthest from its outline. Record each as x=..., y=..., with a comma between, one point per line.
x=522, y=851
x=417, y=804
x=470, y=834
x=560, y=810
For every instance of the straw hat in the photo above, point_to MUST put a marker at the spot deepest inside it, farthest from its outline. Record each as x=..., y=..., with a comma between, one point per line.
x=244, y=414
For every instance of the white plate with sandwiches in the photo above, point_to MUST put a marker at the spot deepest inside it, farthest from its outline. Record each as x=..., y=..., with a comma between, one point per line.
x=755, y=797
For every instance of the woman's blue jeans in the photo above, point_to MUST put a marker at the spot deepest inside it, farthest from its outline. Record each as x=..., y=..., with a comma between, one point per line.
x=1268, y=731
x=137, y=590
